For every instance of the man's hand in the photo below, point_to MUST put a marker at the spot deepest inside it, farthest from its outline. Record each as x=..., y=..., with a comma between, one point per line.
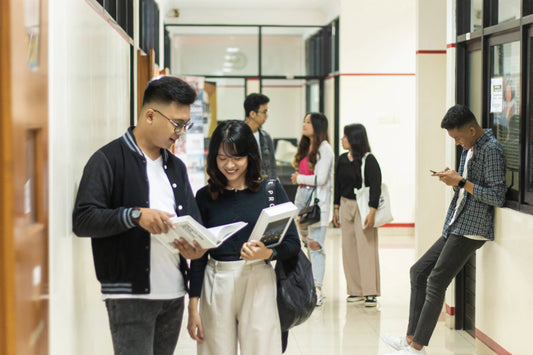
x=449, y=177
x=155, y=221
x=189, y=251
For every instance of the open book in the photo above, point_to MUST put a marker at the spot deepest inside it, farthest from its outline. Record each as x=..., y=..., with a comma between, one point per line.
x=273, y=223
x=188, y=228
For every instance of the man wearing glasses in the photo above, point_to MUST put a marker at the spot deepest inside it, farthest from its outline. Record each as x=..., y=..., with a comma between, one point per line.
x=129, y=190
x=256, y=110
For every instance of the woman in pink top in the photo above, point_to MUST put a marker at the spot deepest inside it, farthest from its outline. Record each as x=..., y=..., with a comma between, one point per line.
x=314, y=160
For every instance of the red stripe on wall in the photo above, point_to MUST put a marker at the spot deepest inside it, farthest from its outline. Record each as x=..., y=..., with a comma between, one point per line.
x=485, y=339
x=388, y=225
x=378, y=74
x=450, y=310
x=430, y=52
x=450, y=45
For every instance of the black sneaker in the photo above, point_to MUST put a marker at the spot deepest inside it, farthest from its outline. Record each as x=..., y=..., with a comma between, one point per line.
x=371, y=301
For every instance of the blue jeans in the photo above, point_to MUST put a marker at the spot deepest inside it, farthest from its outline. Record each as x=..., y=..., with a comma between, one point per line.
x=316, y=233
x=144, y=327
x=430, y=277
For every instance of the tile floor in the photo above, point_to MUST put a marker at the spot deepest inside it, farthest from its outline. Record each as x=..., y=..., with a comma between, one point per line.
x=340, y=328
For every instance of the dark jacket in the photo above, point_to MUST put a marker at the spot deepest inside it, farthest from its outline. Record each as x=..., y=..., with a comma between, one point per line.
x=114, y=181
x=268, y=159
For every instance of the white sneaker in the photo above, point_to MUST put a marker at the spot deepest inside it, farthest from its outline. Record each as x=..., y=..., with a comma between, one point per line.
x=397, y=343
x=408, y=351
x=355, y=299
x=318, y=297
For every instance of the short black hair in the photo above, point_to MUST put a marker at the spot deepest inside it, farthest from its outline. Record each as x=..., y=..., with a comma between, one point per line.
x=236, y=139
x=253, y=102
x=168, y=89
x=458, y=116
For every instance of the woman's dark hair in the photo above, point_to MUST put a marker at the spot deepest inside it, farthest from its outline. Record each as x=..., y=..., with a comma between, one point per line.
x=320, y=129
x=236, y=139
x=358, y=140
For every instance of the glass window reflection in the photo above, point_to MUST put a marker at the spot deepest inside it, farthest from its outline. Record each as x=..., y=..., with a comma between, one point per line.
x=505, y=60
x=508, y=10
x=476, y=15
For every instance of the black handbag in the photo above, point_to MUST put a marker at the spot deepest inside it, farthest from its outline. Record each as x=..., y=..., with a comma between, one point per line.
x=310, y=214
x=296, y=294
x=296, y=290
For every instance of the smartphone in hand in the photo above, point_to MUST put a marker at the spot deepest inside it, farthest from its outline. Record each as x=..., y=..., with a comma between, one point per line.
x=432, y=171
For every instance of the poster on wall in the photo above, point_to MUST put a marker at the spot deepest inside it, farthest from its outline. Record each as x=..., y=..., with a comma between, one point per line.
x=190, y=147
x=496, y=95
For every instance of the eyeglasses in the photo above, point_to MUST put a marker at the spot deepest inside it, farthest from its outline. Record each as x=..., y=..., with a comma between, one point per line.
x=178, y=126
x=263, y=112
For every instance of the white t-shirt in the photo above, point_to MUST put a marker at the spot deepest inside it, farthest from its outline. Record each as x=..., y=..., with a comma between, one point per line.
x=256, y=136
x=166, y=280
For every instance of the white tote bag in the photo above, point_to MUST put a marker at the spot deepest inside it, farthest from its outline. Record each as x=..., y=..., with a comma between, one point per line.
x=383, y=213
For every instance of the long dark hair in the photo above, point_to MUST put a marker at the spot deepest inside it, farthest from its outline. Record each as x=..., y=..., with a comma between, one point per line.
x=320, y=129
x=236, y=139
x=356, y=135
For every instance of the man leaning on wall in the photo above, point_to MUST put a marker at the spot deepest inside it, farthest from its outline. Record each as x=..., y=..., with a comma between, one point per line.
x=256, y=110
x=479, y=186
x=129, y=190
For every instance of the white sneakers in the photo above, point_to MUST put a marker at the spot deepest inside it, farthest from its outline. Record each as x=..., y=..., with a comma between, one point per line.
x=397, y=343
x=318, y=297
x=355, y=299
x=400, y=344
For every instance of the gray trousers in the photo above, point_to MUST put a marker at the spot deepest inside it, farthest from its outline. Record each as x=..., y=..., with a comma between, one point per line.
x=144, y=327
x=430, y=277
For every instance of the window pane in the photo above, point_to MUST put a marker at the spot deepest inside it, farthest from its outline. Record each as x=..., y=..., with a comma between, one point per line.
x=476, y=15
x=505, y=105
x=229, y=99
x=214, y=50
x=508, y=10
x=286, y=109
x=283, y=50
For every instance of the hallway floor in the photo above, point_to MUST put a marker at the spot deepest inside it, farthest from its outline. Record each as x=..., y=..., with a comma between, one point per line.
x=343, y=328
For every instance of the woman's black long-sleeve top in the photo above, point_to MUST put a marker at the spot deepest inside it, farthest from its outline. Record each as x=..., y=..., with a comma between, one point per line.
x=348, y=177
x=234, y=206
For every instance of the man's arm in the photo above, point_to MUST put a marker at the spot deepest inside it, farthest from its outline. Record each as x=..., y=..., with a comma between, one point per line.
x=494, y=190
x=92, y=215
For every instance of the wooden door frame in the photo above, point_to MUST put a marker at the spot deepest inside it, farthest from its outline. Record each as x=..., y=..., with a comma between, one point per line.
x=7, y=251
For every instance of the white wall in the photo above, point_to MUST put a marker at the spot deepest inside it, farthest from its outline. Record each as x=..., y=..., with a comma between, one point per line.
x=504, y=282
x=379, y=38
x=89, y=106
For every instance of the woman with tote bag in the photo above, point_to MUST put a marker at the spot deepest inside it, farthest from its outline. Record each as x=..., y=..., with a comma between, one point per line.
x=359, y=245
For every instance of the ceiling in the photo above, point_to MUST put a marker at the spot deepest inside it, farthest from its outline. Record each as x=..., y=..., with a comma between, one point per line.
x=245, y=4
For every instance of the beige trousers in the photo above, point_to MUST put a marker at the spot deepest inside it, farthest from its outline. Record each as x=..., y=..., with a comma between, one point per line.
x=238, y=309
x=360, y=256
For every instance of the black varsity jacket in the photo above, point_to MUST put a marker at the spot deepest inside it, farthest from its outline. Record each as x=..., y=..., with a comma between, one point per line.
x=114, y=181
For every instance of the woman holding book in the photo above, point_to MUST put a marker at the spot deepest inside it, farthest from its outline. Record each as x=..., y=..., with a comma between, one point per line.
x=234, y=285
x=359, y=245
x=314, y=161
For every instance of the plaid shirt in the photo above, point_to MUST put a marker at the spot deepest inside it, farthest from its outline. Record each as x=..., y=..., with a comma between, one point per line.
x=486, y=170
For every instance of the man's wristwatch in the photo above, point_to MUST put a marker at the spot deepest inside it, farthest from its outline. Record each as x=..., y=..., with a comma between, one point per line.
x=136, y=214
x=461, y=183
